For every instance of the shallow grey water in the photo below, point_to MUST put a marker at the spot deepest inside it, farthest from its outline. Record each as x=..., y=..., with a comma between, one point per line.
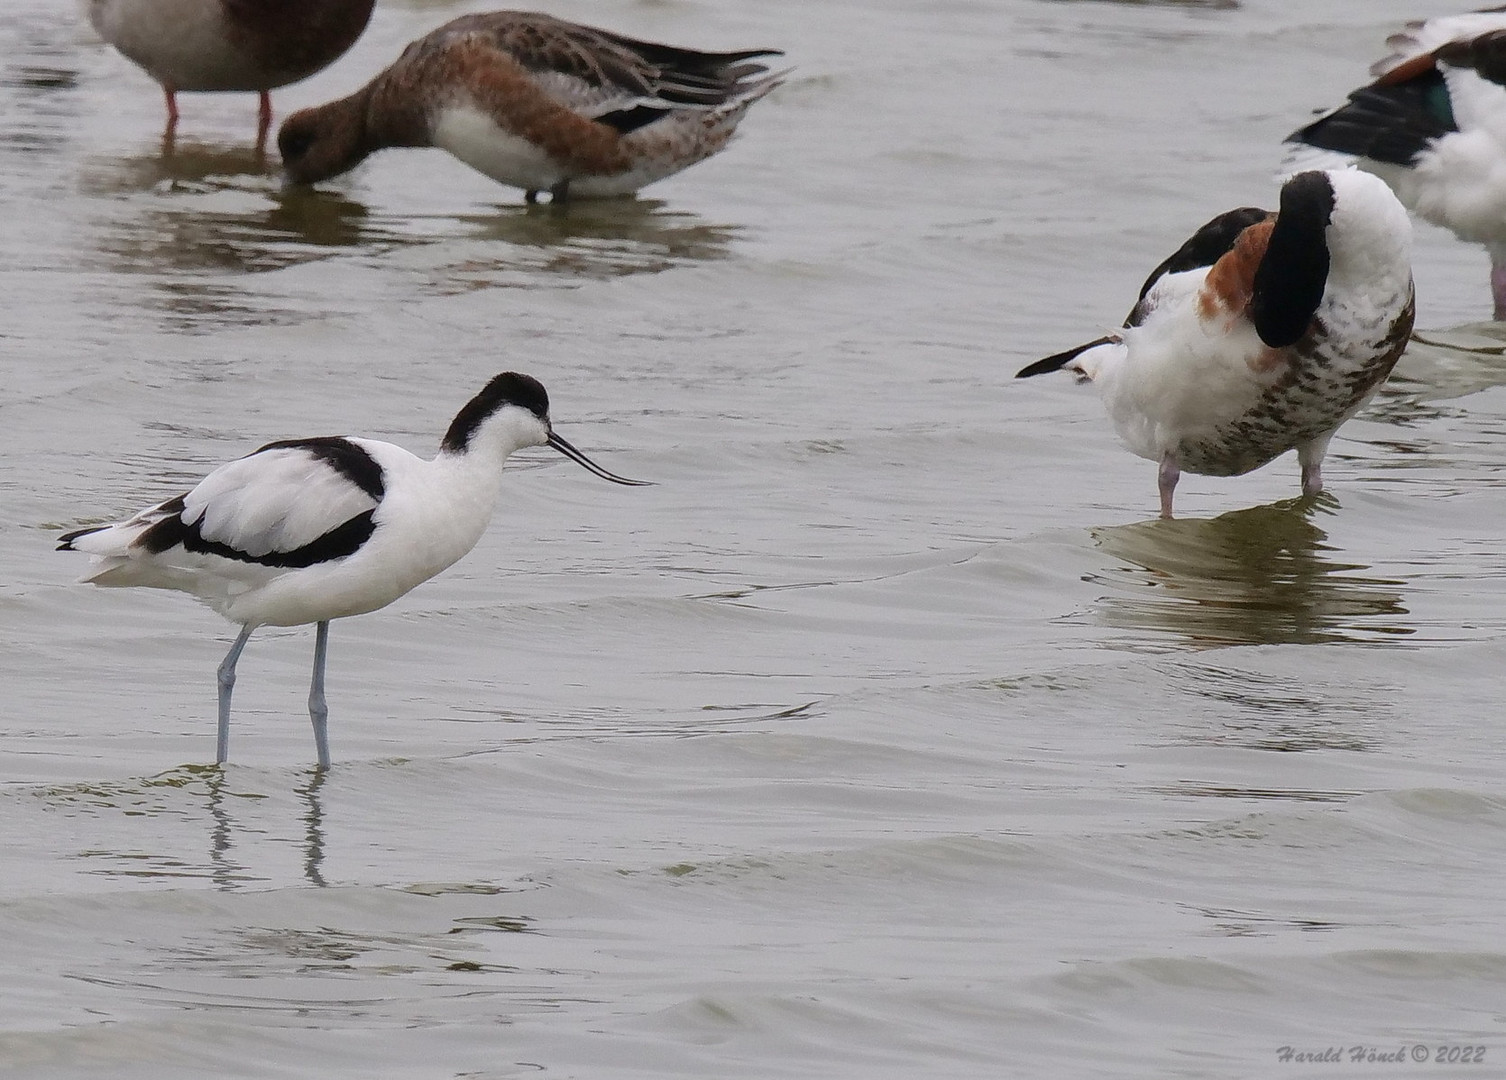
x=885, y=735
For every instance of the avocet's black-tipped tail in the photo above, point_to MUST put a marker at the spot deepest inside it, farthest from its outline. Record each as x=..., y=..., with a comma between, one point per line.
x=1061, y=359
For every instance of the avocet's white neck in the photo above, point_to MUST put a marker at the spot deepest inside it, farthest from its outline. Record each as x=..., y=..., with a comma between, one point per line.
x=464, y=482
x=497, y=435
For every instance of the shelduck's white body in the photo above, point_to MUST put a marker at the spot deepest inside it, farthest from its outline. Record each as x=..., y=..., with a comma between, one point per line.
x=1263, y=333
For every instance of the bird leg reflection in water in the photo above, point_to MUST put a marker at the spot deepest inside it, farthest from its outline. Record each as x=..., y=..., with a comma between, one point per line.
x=313, y=820
x=225, y=873
x=230, y=875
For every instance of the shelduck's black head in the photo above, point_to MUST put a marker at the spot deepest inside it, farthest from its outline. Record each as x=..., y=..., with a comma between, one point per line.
x=1291, y=277
x=523, y=400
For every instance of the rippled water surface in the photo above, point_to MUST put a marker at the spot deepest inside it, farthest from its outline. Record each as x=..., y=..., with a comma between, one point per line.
x=888, y=735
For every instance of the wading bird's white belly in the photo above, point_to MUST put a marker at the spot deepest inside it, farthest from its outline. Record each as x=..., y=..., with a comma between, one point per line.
x=1175, y=386
x=196, y=55
x=476, y=139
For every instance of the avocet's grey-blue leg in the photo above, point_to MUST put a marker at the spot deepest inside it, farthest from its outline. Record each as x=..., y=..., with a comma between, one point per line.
x=318, y=711
x=225, y=676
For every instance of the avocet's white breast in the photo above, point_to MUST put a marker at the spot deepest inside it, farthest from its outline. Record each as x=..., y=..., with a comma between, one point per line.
x=432, y=514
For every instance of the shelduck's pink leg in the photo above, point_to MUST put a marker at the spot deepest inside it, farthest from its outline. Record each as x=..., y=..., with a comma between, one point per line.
x=1171, y=472
x=170, y=132
x=1498, y=288
x=263, y=121
x=1310, y=457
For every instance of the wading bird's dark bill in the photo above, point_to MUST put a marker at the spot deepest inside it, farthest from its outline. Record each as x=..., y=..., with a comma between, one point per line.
x=576, y=456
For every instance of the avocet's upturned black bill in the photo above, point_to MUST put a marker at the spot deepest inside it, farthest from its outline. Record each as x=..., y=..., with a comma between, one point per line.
x=576, y=456
x=1263, y=333
x=309, y=530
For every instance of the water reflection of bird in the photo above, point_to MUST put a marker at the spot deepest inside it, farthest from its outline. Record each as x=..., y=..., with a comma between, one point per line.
x=313, y=830
x=1263, y=333
x=233, y=45
x=1452, y=362
x=192, y=166
x=537, y=103
x=197, y=268
x=1433, y=126
x=310, y=530
x=1259, y=576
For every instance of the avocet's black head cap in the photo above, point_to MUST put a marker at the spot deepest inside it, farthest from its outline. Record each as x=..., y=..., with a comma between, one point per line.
x=508, y=388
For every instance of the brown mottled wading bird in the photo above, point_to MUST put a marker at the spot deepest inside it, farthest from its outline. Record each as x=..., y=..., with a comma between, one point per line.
x=251, y=46
x=537, y=103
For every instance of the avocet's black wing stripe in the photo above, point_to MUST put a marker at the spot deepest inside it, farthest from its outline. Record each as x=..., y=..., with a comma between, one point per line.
x=343, y=540
x=349, y=459
x=140, y=520
x=289, y=504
